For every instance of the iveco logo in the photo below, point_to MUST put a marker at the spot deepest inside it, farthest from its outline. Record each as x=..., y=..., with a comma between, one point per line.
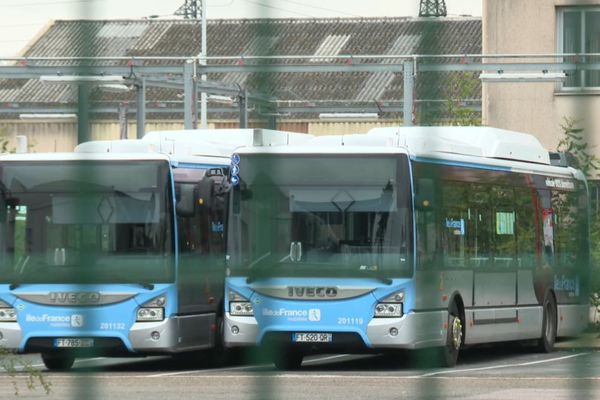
x=74, y=297
x=300, y=291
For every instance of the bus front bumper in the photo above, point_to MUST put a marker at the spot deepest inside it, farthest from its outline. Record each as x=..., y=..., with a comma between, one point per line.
x=240, y=331
x=10, y=335
x=173, y=335
x=412, y=331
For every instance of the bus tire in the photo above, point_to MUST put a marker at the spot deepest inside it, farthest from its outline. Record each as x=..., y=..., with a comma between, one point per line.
x=219, y=355
x=454, y=337
x=58, y=362
x=549, y=325
x=288, y=359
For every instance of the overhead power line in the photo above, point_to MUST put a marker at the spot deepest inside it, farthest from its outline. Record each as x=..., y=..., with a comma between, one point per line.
x=320, y=8
x=47, y=3
x=278, y=8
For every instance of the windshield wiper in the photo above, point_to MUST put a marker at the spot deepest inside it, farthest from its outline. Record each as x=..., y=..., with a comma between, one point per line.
x=257, y=272
x=145, y=285
x=24, y=274
x=376, y=274
x=256, y=266
x=126, y=280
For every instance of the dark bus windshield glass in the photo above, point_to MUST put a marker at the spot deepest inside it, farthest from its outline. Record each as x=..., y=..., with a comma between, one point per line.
x=321, y=216
x=85, y=222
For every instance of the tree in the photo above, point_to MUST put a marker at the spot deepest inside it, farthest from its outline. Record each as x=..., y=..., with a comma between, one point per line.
x=580, y=154
x=573, y=143
x=461, y=86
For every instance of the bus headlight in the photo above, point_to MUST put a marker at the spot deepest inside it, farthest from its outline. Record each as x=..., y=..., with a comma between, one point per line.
x=150, y=314
x=239, y=306
x=388, y=310
x=152, y=310
x=391, y=306
x=7, y=313
x=241, y=309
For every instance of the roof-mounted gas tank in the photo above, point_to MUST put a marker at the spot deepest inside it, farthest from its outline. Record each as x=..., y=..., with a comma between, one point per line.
x=469, y=141
x=115, y=146
x=188, y=143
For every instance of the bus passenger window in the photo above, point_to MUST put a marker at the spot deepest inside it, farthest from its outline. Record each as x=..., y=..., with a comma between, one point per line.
x=505, y=245
x=565, y=223
x=455, y=228
x=426, y=222
x=528, y=225
x=479, y=227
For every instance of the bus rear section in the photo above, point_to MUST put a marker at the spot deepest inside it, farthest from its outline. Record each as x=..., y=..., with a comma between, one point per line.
x=101, y=255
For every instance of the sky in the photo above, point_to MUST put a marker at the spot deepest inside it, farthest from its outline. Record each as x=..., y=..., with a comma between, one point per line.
x=22, y=20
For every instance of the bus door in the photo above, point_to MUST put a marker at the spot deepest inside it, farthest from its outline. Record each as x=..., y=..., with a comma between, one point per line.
x=200, y=231
x=493, y=255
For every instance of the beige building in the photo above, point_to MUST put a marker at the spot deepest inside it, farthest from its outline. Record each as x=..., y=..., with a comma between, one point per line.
x=301, y=96
x=543, y=27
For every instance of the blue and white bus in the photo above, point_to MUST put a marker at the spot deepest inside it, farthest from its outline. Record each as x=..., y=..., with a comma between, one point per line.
x=117, y=248
x=405, y=238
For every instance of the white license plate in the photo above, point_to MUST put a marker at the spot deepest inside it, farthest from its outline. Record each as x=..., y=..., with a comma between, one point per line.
x=73, y=342
x=312, y=337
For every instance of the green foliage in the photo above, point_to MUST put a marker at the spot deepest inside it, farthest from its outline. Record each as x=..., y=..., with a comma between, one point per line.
x=5, y=142
x=573, y=142
x=22, y=372
x=461, y=86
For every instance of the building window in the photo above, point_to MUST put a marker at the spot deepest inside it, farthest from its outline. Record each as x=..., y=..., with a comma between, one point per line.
x=579, y=32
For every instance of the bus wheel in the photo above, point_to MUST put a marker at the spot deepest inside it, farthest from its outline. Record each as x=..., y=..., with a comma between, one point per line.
x=57, y=362
x=219, y=355
x=454, y=337
x=288, y=359
x=549, y=325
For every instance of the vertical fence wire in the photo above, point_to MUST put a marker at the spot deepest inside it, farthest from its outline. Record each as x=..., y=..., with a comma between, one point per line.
x=428, y=87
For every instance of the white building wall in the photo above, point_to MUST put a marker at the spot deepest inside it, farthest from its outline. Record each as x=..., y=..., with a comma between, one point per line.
x=530, y=27
x=62, y=136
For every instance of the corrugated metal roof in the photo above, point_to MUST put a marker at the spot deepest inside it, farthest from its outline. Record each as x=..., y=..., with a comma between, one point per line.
x=331, y=46
x=116, y=30
x=375, y=86
x=309, y=37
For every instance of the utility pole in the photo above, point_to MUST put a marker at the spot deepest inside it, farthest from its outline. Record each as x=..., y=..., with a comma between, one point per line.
x=432, y=8
x=196, y=9
x=203, y=97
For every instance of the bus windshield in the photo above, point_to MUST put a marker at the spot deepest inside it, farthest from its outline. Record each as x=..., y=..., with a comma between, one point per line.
x=85, y=222
x=322, y=215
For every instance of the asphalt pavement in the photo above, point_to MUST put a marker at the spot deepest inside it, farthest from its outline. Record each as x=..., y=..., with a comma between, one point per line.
x=502, y=372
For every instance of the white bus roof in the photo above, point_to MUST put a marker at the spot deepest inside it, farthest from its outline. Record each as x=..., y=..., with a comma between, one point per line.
x=435, y=142
x=209, y=146
x=468, y=141
x=496, y=148
x=188, y=145
x=82, y=156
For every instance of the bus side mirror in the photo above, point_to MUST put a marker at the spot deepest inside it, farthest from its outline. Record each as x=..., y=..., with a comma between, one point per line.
x=185, y=200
